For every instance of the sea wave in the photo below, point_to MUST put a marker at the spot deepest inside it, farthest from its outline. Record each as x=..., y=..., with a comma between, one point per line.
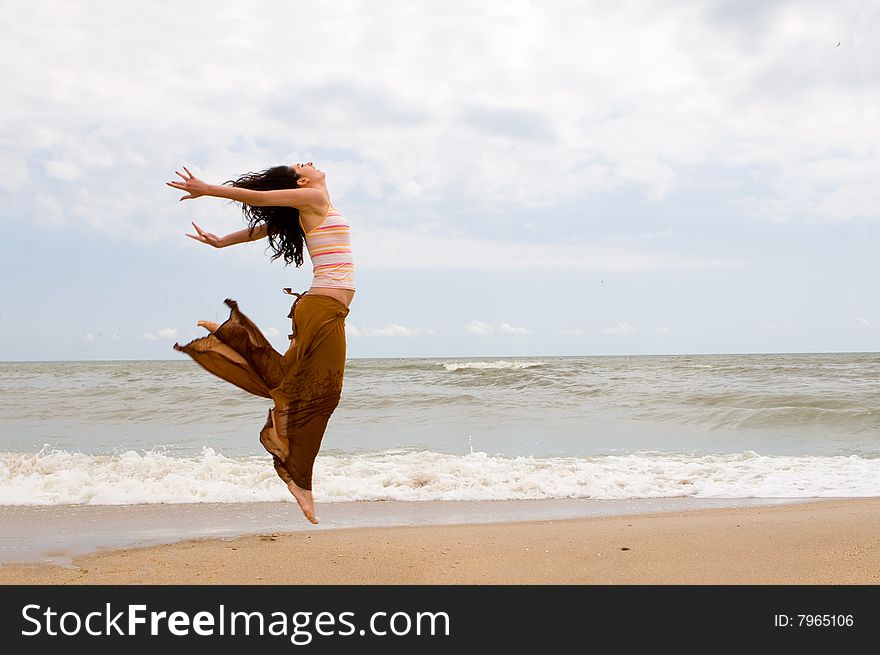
x=58, y=477
x=501, y=364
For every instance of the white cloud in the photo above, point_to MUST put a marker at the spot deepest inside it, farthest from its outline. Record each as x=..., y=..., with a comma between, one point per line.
x=98, y=334
x=483, y=329
x=386, y=248
x=63, y=170
x=664, y=330
x=574, y=331
x=582, y=120
x=478, y=328
x=272, y=332
x=801, y=190
x=395, y=330
x=15, y=172
x=391, y=330
x=631, y=97
x=622, y=327
x=164, y=333
x=507, y=328
x=865, y=321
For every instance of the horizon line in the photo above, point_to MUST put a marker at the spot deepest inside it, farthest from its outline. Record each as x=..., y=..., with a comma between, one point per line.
x=694, y=354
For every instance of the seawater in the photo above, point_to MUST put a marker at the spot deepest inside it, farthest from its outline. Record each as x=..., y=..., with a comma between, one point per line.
x=733, y=426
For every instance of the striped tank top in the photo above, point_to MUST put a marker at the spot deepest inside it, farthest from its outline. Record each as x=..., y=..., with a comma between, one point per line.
x=329, y=247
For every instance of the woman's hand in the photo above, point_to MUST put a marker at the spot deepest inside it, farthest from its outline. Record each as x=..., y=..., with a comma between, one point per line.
x=206, y=237
x=191, y=184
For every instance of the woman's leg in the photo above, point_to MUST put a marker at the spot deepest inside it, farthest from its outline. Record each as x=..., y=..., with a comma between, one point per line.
x=280, y=457
x=237, y=352
x=308, y=394
x=305, y=383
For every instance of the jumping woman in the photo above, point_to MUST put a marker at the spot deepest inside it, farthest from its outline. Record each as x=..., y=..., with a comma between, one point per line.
x=289, y=205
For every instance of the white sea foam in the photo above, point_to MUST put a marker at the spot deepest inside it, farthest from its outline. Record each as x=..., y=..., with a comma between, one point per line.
x=56, y=477
x=501, y=364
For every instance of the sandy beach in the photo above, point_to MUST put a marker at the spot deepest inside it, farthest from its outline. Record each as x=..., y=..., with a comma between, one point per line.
x=834, y=541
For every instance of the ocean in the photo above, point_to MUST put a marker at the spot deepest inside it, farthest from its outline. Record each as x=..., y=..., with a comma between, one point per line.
x=446, y=429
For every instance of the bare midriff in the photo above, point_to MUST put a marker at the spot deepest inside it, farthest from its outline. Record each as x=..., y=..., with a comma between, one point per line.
x=343, y=295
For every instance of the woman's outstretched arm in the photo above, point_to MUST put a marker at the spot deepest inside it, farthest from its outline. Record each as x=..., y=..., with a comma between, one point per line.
x=242, y=236
x=299, y=198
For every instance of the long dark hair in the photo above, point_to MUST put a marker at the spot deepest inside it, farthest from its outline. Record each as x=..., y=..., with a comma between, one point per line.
x=284, y=232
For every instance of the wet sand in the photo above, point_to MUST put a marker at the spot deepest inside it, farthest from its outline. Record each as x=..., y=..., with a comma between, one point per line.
x=669, y=541
x=55, y=534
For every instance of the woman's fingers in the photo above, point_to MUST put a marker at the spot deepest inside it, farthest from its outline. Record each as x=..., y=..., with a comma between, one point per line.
x=204, y=237
x=190, y=185
x=186, y=178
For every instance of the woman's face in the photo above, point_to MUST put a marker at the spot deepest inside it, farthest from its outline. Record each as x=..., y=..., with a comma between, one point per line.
x=308, y=170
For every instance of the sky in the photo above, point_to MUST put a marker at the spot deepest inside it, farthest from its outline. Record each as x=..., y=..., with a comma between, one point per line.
x=521, y=178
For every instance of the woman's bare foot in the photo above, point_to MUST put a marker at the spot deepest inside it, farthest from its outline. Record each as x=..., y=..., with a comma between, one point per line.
x=209, y=326
x=304, y=498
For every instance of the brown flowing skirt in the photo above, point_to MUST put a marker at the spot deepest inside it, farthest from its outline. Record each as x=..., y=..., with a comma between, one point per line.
x=305, y=383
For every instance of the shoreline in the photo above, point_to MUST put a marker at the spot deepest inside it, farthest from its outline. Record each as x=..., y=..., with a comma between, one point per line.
x=785, y=541
x=56, y=534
